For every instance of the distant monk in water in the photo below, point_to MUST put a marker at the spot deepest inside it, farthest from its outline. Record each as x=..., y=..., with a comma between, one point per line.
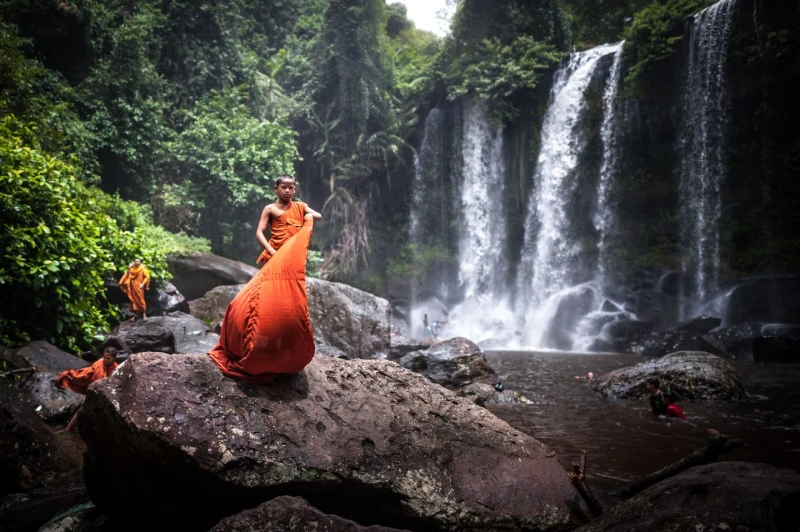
x=134, y=282
x=673, y=410
x=78, y=380
x=656, y=397
x=267, y=329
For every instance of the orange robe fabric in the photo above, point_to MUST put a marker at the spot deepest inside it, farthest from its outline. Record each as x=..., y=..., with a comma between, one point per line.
x=267, y=329
x=82, y=378
x=131, y=284
x=284, y=227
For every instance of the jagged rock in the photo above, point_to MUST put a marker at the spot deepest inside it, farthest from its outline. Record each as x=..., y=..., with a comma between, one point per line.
x=776, y=349
x=290, y=514
x=364, y=439
x=42, y=355
x=723, y=496
x=50, y=402
x=768, y=299
x=608, y=306
x=692, y=375
x=700, y=325
x=402, y=345
x=140, y=336
x=738, y=340
x=453, y=363
x=212, y=306
x=196, y=274
x=622, y=335
x=349, y=320
x=30, y=453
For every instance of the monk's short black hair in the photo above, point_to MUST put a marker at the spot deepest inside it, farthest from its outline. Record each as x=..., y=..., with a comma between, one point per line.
x=654, y=381
x=281, y=178
x=110, y=350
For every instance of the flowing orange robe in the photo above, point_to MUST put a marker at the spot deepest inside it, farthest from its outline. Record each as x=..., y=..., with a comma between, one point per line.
x=131, y=284
x=267, y=329
x=82, y=378
x=284, y=227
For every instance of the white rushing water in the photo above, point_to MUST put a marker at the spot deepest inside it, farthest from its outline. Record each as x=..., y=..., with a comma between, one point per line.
x=550, y=264
x=703, y=137
x=483, y=235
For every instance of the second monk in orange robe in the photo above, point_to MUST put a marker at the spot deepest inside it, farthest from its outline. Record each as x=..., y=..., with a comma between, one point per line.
x=135, y=281
x=78, y=380
x=267, y=329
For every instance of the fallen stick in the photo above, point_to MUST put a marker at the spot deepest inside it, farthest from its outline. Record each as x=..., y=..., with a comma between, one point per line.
x=23, y=370
x=578, y=477
x=718, y=444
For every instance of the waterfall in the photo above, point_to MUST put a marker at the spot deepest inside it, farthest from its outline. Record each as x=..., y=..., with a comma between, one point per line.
x=483, y=229
x=429, y=214
x=703, y=137
x=551, y=259
x=604, y=218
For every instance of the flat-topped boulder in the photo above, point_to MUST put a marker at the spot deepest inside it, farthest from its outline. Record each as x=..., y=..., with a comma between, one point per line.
x=291, y=514
x=363, y=439
x=51, y=403
x=691, y=374
x=452, y=363
x=176, y=332
x=723, y=496
x=196, y=274
x=347, y=322
x=41, y=354
x=140, y=336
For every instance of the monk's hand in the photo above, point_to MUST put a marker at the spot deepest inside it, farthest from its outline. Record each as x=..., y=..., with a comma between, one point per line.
x=309, y=216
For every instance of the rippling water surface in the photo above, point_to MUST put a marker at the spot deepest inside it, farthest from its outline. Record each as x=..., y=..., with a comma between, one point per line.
x=623, y=440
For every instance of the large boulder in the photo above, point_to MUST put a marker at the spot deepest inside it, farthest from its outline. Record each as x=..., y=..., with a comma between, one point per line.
x=31, y=455
x=174, y=333
x=347, y=322
x=452, y=363
x=692, y=375
x=290, y=514
x=9, y=359
x=674, y=340
x=51, y=403
x=196, y=274
x=402, y=345
x=30, y=510
x=737, y=339
x=723, y=496
x=140, y=336
x=351, y=322
x=623, y=335
x=699, y=325
x=42, y=355
x=362, y=439
x=159, y=300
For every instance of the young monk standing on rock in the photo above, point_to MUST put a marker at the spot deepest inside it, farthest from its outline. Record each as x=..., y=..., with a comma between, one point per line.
x=78, y=380
x=267, y=329
x=135, y=281
x=284, y=217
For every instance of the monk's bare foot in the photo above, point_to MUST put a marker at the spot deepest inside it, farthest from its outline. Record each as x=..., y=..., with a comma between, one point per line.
x=132, y=319
x=144, y=318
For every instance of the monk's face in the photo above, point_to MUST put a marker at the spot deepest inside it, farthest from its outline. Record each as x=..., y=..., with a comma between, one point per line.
x=137, y=262
x=109, y=359
x=286, y=189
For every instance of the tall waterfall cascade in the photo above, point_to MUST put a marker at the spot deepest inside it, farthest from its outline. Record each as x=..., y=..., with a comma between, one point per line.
x=554, y=280
x=705, y=110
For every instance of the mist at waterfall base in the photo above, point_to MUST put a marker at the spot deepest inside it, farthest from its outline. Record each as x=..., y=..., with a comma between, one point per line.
x=564, y=294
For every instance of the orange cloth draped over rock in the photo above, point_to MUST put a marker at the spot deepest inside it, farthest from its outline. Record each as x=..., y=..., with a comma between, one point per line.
x=78, y=380
x=283, y=228
x=267, y=329
x=131, y=284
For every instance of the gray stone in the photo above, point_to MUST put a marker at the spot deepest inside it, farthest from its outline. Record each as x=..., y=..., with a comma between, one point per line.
x=290, y=514
x=189, y=334
x=452, y=363
x=42, y=355
x=212, y=306
x=699, y=325
x=692, y=375
x=769, y=299
x=196, y=274
x=402, y=345
x=51, y=403
x=733, y=496
x=9, y=359
x=362, y=439
x=140, y=336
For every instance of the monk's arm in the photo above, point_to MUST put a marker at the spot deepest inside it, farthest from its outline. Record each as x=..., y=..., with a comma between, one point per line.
x=314, y=214
x=146, y=283
x=262, y=226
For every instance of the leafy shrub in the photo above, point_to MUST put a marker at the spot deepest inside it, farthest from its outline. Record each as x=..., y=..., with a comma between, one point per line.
x=60, y=242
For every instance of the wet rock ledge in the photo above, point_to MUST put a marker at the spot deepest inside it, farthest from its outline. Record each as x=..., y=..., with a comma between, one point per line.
x=365, y=440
